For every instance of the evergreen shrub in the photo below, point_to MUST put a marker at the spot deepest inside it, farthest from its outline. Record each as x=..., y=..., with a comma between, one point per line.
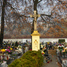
x=29, y=59
x=61, y=40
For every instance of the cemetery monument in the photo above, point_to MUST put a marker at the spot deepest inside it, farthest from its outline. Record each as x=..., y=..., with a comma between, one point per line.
x=35, y=35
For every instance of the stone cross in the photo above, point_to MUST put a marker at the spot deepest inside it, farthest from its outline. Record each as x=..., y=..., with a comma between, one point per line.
x=35, y=19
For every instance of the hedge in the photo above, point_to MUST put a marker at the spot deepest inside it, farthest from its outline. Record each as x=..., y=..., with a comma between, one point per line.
x=61, y=40
x=29, y=59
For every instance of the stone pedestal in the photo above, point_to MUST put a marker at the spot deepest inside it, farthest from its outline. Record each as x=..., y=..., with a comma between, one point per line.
x=35, y=41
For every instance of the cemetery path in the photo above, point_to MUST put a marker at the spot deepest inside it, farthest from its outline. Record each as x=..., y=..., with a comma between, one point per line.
x=54, y=62
x=51, y=64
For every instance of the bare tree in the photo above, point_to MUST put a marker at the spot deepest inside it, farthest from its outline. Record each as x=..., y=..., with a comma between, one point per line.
x=2, y=21
x=17, y=17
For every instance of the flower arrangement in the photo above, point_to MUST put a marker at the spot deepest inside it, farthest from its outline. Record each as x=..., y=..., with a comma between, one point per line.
x=8, y=51
x=43, y=52
x=30, y=49
x=2, y=50
x=19, y=46
x=10, y=48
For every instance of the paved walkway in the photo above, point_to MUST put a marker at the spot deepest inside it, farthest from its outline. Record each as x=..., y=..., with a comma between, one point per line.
x=54, y=61
x=51, y=64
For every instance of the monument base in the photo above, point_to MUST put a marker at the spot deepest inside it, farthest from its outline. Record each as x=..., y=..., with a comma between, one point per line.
x=35, y=40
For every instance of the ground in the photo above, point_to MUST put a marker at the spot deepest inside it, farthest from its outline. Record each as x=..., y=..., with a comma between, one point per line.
x=54, y=62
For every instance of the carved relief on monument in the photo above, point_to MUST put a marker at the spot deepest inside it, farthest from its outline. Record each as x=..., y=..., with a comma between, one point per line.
x=36, y=44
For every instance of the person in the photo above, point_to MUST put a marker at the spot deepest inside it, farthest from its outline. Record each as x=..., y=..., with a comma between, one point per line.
x=26, y=49
x=41, y=46
x=47, y=47
x=46, y=53
x=22, y=49
x=57, y=52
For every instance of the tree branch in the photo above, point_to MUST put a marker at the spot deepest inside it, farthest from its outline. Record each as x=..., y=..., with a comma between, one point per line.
x=1, y=2
x=43, y=19
x=39, y=1
x=10, y=5
x=45, y=15
x=15, y=11
x=62, y=2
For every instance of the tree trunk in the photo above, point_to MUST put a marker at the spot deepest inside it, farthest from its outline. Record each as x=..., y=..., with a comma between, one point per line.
x=35, y=4
x=32, y=28
x=2, y=22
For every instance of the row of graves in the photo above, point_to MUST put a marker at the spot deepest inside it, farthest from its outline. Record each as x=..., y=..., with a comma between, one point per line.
x=62, y=54
x=11, y=51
